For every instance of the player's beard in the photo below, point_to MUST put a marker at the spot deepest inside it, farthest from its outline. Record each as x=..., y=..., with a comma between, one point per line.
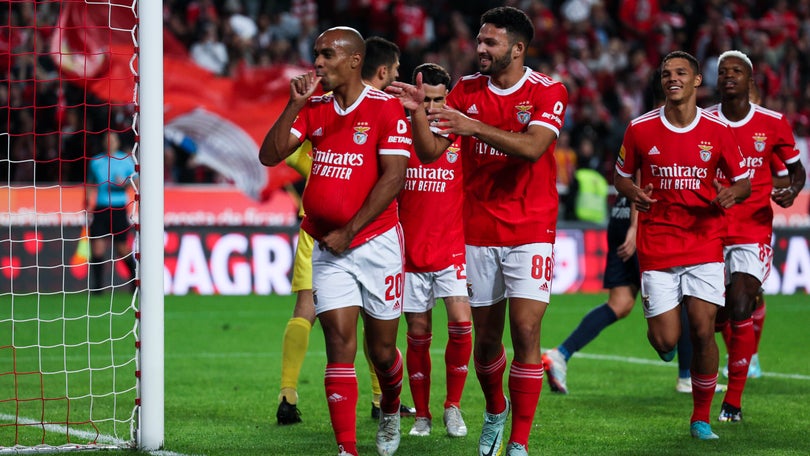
x=497, y=64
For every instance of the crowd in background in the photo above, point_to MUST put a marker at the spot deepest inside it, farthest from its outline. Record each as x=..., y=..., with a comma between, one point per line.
x=605, y=51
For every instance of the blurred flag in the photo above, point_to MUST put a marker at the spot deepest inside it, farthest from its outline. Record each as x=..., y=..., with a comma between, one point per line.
x=225, y=118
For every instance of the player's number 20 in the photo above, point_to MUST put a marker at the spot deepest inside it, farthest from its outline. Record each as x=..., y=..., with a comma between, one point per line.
x=393, y=287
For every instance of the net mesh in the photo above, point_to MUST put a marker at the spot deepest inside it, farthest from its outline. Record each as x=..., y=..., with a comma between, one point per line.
x=68, y=220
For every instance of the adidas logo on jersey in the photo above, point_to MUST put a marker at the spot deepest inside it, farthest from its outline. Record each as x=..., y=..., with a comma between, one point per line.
x=318, y=132
x=654, y=151
x=472, y=109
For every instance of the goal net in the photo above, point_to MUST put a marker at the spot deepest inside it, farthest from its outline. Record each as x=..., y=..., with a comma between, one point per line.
x=70, y=328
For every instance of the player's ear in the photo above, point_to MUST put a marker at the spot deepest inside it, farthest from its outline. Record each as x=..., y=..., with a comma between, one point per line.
x=356, y=60
x=517, y=49
x=698, y=80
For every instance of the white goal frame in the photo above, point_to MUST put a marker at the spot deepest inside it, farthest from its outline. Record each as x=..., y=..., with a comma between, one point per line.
x=150, y=425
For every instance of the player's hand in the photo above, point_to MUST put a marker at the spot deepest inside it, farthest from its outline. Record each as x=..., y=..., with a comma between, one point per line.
x=411, y=96
x=628, y=247
x=303, y=86
x=643, y=198
x=448, y=120
x=336, y=242
x=784, y=196
x=725, y=196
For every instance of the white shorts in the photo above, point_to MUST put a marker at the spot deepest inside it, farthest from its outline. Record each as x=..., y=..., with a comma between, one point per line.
x=663, y=290
x=422, y=289
x=497, y=273
x=368, y=276
x=753, y=259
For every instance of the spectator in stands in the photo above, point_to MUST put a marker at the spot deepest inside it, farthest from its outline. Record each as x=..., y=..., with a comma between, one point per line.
x=209, y=52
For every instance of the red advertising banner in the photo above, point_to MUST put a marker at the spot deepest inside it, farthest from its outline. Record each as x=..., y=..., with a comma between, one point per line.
x=187, y=205
x=242, y=260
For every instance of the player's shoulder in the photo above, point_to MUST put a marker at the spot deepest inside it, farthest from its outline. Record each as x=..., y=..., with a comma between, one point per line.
x=470, y=83
x=648, y=116
x=536, y=77
x=710, y=116
x=379, y=95
x=767, y=113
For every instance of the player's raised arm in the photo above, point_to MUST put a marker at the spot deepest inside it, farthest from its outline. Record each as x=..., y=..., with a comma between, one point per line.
x=529, y=144
x=279, y=142
x=428, y=145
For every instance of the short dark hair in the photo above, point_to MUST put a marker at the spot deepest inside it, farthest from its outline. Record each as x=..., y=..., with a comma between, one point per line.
x=693, y=62
x=379, y=51
x=515, y=21
x=432, y=74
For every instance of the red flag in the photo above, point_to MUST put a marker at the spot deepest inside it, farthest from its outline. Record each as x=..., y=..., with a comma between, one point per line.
x=226, y=118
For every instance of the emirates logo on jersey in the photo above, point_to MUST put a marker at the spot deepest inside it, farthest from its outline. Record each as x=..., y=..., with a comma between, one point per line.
x=705, y=150
x=759, y=142
x=452, y=154
x=524, y=114
x=360, y=135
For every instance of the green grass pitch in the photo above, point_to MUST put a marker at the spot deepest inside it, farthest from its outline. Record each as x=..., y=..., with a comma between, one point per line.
x=222, y=368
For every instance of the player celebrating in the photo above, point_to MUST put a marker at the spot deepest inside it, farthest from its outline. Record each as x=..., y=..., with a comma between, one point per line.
x=508, y=117
x=763, y=136
x=430, y=210
x=380, y=68
x=678, y=149
x=361, y=143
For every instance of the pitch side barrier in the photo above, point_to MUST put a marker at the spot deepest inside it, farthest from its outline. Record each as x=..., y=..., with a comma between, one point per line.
x=243, y=259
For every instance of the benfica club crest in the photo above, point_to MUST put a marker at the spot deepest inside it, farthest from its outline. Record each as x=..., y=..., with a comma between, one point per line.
x=759, y=142
x=523, y=114
x=451, y=154
x=360, y=135
x=705, y=151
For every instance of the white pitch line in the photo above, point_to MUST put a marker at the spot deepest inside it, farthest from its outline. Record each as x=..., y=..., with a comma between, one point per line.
x=652, y=362
x=439, y=351
x=60, y=429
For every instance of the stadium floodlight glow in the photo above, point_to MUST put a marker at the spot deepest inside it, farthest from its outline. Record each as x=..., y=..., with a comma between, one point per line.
x=81, y=334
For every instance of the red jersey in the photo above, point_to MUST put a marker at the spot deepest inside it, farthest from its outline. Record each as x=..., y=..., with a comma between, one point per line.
x=430, y=213
x=764, y=137
x=683, y=227
x=508, y=200
x=346, y=147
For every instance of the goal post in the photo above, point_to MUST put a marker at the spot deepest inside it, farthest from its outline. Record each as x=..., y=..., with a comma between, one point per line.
x=81, y=292
x=150, y=121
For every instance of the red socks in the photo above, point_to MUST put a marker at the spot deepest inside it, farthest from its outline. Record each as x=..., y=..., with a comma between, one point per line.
x=525, y=384
x=340, y=381
x=702, y=394
x=490, y=376
x=419, y=368
x=456, y=359
x=391, y=386
x=740, y=350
